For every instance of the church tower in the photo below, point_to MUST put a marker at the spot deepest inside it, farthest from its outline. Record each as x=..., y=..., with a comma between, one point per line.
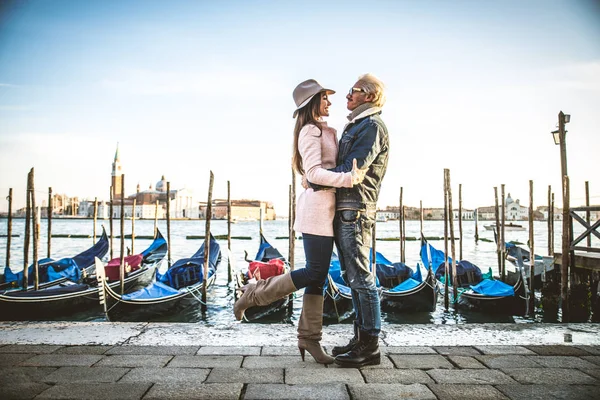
x=116, y=176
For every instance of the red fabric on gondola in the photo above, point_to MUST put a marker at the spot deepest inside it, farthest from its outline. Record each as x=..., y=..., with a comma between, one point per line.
x=132, y=263
x=261, y=270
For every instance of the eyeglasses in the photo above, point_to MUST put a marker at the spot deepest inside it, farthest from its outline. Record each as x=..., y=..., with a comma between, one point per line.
x=356, y=89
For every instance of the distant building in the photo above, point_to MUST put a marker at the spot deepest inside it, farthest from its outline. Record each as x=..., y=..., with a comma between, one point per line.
x=241, y=210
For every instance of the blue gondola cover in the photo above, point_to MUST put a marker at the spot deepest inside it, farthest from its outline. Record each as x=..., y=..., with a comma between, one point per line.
x=491, y=287
x=408, y=284
x=155, y=290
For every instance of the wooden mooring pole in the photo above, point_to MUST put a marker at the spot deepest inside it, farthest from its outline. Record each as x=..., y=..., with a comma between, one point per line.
x=460, y=231
x=27, y=237
x=36, y=233
x=122, y=256
x=9, y=226
x=50, y=211
x=207, y=240
x=531, y=253
x=476, y=218
x=156, y=219
x=169, y=223
x=292, y=233
x=95, y=217
x=229, y=253
x=133, y=227
x=587, y=213
x=446, y=272
x=549, y=222
x=497, y=230
x=110, y=221
x=452, y=244
x=503, y=238
x=566, y=243
x=400, y=225
x=552, y=226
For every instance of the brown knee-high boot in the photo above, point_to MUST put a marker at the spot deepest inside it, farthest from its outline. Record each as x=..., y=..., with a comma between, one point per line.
x=263, y=292
x=310, y=328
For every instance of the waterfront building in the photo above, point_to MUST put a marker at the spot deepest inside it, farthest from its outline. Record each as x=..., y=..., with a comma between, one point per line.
x=241, y=210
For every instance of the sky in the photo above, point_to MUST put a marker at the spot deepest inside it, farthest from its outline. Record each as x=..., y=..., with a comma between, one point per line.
x=189, y=87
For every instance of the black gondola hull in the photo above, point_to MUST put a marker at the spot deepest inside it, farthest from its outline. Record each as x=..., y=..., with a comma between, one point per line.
x=421, y=298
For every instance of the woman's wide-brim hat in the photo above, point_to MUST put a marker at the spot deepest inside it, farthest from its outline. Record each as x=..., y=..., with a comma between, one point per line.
x=305, y=91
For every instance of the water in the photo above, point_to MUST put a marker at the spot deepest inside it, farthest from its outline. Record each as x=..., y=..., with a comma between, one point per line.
x=220, y=295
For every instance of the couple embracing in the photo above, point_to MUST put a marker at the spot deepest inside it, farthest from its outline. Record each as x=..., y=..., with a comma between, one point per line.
x=342, y=183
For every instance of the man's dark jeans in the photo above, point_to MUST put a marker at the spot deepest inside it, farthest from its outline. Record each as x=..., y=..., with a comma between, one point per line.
x=353, y=232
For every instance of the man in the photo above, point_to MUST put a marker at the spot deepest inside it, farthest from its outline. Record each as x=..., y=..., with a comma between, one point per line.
x=365, y=138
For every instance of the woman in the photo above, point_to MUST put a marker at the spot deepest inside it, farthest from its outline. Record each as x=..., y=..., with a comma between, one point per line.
x=315, y=150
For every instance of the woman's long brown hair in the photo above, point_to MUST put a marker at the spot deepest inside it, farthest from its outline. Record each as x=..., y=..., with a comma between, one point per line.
x=308, y=114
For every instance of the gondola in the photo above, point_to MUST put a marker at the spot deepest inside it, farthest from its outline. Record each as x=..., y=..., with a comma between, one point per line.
x=542, y=264
x=178, y=288
x=477, y=291
x=53, y=272
x=68, y=296
x=267, y=262
x=405, y=290
x=337, y=304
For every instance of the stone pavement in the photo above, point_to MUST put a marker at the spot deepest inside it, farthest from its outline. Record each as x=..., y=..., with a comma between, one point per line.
x=251, y=361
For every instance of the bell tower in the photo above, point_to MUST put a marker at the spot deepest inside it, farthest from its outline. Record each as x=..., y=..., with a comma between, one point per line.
x=115, y=181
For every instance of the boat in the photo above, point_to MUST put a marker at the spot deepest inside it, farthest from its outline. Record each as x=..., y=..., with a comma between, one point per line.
x=52, y=272
x=337, y=296
x=381, y=218
x=405, y=290
x=542, y=264
x=178, y=288
x=507, y=227
x=267, y=262
x=68, y=296
x=477, y=291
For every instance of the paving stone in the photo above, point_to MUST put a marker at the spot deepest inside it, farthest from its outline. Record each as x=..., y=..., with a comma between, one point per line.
x=154, y=350
x=466, y=392
x=289, y=392
x=166, y=375
x=425, y=361
x=562, y=362
x=404, y=376
x=206, y=362
x=198, y=391
x=294, y=376
x=245, y=375
x=465, y=362
x=62, y=360
x=595, y=372
x=457, y=350
x=594, y=350
x=407, y=350
x=592, y=359
x=545, y=392
x=280, y=351
x=83, y=350
x=376, y=391
x=470, y=376
x=509, y=361
x=550, y=376
x=280, y=362
x=502, y=350
x=133, y=361
x=30, y=348
x=24, y=374
x=558, y=350
x=93, y=391
x=229, y=351
x=22, y=390
x=85, y=374
x=8, y=360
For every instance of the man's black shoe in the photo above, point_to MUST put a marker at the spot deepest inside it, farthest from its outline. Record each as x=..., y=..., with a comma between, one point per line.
x=337, y=350
x=365, y=352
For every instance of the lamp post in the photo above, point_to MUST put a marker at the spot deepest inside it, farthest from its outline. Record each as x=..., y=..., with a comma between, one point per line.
x=560, y=139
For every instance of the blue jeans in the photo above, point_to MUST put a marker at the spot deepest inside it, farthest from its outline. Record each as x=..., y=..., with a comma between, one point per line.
x=353, y=232
x=317, y=250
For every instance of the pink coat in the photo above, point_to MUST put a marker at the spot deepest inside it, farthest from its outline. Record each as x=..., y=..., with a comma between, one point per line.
x=315, y=210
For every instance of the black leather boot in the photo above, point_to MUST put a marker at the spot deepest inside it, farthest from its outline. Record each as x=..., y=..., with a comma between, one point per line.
x=365, y=352
x=337, y=350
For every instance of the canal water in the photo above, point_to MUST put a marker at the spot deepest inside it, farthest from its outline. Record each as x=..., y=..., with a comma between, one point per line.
x=221, y=294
